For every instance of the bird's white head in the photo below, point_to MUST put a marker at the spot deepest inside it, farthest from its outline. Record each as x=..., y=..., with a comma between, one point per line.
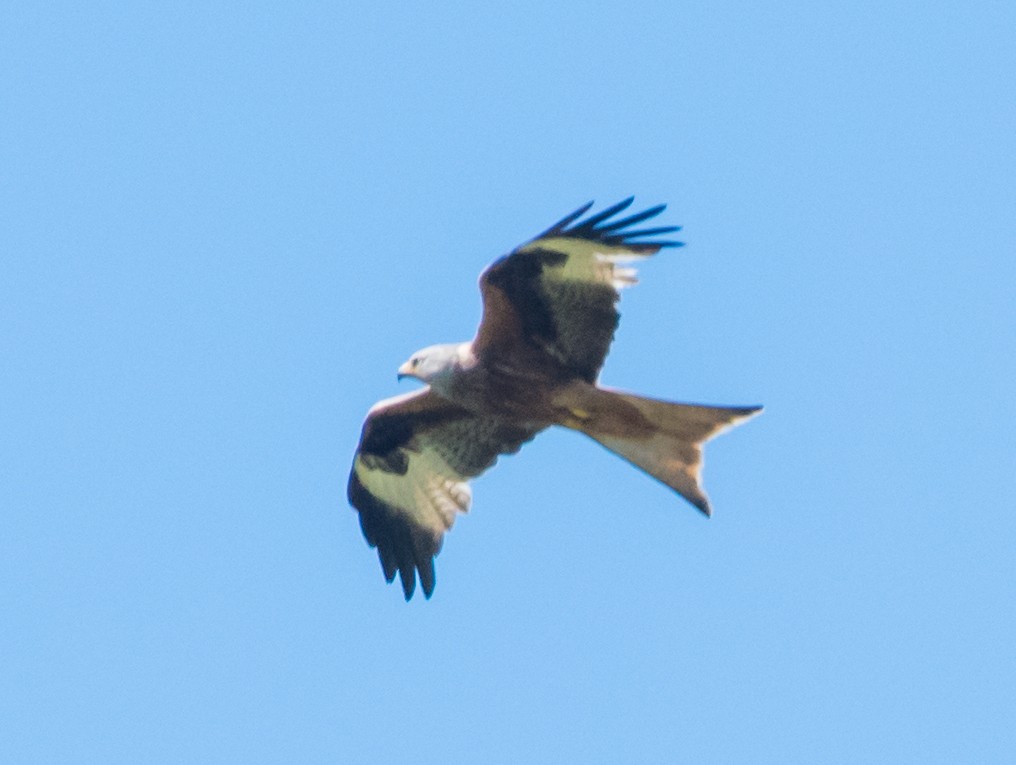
x=434, y=365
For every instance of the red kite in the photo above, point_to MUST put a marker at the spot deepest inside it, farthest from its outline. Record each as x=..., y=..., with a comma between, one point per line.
x=548, y=320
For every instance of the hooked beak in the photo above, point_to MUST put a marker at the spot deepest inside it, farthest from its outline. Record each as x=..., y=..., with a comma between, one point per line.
x=404, y=371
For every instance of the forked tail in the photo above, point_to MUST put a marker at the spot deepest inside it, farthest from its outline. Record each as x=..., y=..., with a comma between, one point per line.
x=662, y=438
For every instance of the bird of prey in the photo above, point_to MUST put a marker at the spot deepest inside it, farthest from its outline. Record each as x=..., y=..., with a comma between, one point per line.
x=548, y=320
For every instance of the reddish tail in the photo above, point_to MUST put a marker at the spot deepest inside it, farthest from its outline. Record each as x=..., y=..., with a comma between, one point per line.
x=662, y=438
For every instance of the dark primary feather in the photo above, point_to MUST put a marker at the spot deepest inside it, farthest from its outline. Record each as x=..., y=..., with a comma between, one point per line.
x=403, y=547
x=611, y=234
x=610, y=212
x=631, y=220
x=560, y=226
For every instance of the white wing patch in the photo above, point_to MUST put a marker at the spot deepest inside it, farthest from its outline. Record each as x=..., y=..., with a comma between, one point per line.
x=428, y=492
x=589, y=261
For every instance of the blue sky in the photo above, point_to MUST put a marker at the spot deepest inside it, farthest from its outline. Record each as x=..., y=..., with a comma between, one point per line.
x=223, y=227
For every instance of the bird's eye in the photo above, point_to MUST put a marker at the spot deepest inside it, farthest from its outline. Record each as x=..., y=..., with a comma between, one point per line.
x=415, y=363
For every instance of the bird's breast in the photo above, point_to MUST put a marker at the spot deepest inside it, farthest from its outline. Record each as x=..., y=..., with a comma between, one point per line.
x=504, y=392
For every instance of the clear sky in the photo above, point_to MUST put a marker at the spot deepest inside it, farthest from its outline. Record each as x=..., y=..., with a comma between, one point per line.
x=223, y=227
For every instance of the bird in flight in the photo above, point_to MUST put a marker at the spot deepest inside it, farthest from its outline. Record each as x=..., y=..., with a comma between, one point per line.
x=549, y=317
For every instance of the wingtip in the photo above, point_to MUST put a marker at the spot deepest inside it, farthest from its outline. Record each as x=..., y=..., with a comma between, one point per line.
x=566, y=221
x=408, y=589
x=603, y=227
x=591, y=222
x=427, y=583
x=656, y=231
x=427, y=576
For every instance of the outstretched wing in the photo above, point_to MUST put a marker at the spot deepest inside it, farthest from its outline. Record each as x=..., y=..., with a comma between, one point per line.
x=552, y=300
x=410, y=477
